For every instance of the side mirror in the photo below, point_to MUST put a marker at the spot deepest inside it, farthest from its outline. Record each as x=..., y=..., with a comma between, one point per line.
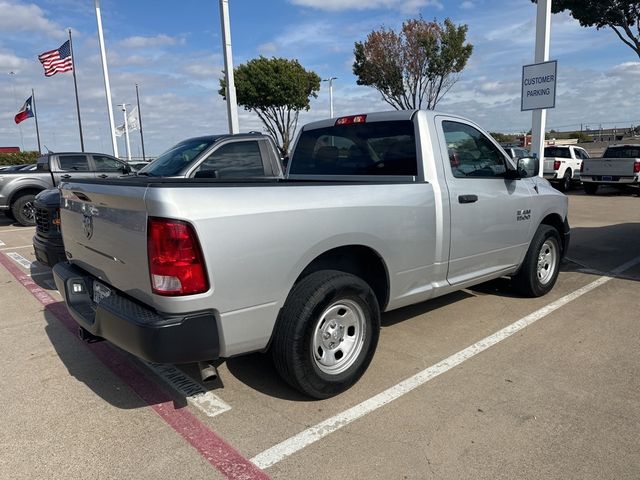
x=528, y=167
x=126, y=169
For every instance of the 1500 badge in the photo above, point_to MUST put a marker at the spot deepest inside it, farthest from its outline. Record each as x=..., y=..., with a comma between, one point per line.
x=522, y=215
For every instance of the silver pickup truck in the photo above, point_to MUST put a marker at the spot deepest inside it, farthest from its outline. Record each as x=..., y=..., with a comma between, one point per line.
x=619, y=166
x=377, y=212
x=18, y=189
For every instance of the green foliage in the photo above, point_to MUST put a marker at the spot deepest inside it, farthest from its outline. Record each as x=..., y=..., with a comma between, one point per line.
x=622, y=16
x=582, y=137
x=18, y=158
x=276, y=89
x=504, y=137
x=416, y=67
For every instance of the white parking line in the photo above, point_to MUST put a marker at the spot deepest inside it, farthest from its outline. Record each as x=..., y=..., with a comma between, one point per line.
x=311, y=435
x=21, y=246
x=207, y=402
x=19, y=259
x=2, y=244
x=18, y=229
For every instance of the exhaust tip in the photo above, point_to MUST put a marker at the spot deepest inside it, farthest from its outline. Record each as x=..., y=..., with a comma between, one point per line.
x=208, y=372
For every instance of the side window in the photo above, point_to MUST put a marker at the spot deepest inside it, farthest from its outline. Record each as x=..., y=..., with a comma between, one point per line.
x=471, y=153
x=73, y=163
x=583, y=154
x=233, y=160
x=107, y=164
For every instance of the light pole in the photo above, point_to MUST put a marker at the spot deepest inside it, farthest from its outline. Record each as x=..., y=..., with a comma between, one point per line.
x=330, y=80
x=232, y=103
x=15, y=101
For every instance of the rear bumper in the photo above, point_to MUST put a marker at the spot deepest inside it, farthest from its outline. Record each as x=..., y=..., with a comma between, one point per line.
x=550, y=176
x=136, y=328
x=610, y=180
x=48, y=251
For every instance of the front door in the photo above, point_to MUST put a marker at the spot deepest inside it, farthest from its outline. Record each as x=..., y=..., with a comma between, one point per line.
x=490, y=214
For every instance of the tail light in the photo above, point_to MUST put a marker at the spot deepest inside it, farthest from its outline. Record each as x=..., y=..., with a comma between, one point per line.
x=176, y=263
x=556, y=164
x=636, y=167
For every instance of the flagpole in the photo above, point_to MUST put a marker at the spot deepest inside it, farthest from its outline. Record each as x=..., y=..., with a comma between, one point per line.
x=35, y=116
x=105, y=72
x=75, y=84
x=144, y=159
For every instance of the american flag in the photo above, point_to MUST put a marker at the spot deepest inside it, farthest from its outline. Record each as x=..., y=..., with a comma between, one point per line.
x=58, y=60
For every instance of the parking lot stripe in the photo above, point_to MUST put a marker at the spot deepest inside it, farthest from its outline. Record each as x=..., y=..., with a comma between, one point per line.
x=2, y=244
x=226, y=459
x=23, y=229
x=311, y=435
x=19, y=259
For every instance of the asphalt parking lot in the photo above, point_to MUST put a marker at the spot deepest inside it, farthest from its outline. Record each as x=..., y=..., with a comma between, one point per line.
x=479, y=384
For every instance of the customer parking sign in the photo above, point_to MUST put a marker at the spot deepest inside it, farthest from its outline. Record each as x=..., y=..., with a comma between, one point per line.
x=539, y=85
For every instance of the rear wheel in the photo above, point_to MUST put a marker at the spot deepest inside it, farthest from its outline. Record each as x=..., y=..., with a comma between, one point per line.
x=9, y=215
x=326, y=334
x=590, y=188
x=23, y=210
x=541, y=265
x=565, y=183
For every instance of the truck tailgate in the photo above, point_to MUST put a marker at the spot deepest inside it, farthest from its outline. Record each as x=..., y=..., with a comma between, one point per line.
x=618, y=167
x=104, y=229
x=548, y=165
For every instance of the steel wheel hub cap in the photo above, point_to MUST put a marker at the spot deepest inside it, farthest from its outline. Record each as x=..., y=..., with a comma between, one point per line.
x=547, y=259
x=338, y=337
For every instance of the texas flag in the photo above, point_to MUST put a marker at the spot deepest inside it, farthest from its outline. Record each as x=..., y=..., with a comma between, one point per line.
x=25, y=112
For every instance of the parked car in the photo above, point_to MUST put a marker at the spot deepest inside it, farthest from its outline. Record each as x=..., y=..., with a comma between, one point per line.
x=562, y=165
x=13, y=168
x=18, y=189
x=619, y=166
x=378, y=211
x=223, y=153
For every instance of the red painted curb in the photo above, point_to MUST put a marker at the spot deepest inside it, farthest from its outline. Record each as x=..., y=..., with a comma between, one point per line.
x=226, y=459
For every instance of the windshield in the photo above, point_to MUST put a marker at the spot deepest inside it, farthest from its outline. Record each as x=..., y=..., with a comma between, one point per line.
x=177, y=157
x=622, y=152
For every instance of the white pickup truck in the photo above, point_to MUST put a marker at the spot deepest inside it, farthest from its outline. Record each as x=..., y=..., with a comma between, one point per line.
x=562, y=165
x=619, y=166
x=377, y=212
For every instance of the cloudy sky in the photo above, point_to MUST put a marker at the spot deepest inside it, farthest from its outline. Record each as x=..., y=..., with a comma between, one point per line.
x=173, y=51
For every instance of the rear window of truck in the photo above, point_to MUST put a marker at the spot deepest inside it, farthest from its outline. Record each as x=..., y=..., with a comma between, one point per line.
x=622, y=152
x=557, y=152
x=376, y=148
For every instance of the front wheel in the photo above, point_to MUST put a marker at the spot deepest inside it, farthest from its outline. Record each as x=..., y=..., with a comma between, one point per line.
x=326, y=333
x=23, y=210
x=541, y=265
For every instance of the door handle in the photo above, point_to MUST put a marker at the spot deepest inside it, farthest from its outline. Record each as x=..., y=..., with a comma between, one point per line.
x=467, y=198
x=103, y=176
x=65, y=176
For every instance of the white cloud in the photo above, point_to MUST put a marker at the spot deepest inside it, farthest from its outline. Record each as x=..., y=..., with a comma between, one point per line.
x=268, y=48
x=467, y=5
x=626, y=69
x=341, y=5
x=160, y=40
x=9, y=61
x=25, y=17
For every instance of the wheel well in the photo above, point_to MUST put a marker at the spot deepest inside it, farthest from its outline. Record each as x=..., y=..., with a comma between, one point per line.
x=358, y=260
x=24, y=191
x=554, y=220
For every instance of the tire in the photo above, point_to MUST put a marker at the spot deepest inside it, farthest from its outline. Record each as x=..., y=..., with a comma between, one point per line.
x=23, y=210
x=590, y=188
x=326, y=333
x=539, y=270
x=565, y=183
x=9, y=215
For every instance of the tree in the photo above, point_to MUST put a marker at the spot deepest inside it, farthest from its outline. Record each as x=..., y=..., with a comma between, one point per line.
x=276, y=89
x=415, y=67
x=622, y=16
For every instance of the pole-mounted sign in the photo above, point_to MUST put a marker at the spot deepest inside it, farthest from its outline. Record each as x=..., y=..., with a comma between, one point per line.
x=539, y=85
